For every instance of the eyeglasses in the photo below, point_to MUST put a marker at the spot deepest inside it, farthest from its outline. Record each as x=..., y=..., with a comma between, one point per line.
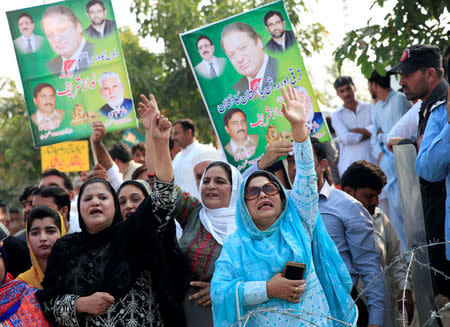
x=253, y=192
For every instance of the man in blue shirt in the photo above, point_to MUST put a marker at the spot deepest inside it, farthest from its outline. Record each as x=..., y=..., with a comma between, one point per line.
x=390, y=107
x=350, y=226
x=433, y=160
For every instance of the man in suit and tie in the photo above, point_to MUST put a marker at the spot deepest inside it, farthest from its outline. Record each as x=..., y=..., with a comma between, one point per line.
x=241, y=146
x=211, y=66
x=28, y=42
x=64, y=33
x=100, y=26
x=276, y=26
x=245, y=49
x=46, y=118
x=111, y=89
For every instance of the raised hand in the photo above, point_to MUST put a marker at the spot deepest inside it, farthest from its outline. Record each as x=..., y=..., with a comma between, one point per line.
x=98, y=131
x=294, y=108
x=147, y=109
x=275, y=151
x=160, y=127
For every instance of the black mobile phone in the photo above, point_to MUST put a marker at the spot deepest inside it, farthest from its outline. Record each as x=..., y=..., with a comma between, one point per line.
x=294, y=270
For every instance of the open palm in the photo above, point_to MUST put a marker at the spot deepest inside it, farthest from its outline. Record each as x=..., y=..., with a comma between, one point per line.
x=294, y=108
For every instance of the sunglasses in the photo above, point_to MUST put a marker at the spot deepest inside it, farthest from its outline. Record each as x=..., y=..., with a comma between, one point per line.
x=253, y=192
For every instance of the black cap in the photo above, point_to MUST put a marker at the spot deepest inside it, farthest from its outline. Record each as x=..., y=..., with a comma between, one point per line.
x=416, y=57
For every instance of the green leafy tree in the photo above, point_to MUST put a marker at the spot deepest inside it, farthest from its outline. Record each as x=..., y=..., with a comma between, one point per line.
x=165, y=19
x=409, y=22
x=19, y=161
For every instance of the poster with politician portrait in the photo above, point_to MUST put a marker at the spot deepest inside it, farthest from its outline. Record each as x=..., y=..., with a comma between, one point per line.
x=72, y=69
x=240, y=64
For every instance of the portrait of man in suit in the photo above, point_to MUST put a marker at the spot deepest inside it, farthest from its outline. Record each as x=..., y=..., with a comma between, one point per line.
x=211, y=66
x=64, y=33
x=245, y=49
x=111, y=89
x=276, y=26
x=100, y=26
x=28, y=42
x=241, y=146
x=46, y=118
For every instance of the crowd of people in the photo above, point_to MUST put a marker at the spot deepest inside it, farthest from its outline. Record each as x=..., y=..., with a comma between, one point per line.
x=170, y=234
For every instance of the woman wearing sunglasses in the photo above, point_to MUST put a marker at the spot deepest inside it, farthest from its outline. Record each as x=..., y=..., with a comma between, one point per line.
x=274, y=227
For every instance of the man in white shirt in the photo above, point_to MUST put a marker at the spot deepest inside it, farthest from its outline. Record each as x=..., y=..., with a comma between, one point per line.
x=183, y=135
x=64, y=33
x=352, y=122
x=211, y=66
x=245, y=49
x=241, y=146
x=28, y=42
x=46, y=118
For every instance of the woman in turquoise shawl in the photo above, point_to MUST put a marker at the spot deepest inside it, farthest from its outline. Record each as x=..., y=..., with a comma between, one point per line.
x=273, y=228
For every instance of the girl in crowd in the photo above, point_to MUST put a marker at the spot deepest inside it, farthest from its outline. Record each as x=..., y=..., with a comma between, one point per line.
x=206, y=224
x=44, y=226
x=273, y=228
x=18, y=304
x=131, y=194
x=103, y=275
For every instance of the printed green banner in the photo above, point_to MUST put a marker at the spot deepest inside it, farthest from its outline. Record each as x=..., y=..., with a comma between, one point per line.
x=240, y=64
x=72, y=68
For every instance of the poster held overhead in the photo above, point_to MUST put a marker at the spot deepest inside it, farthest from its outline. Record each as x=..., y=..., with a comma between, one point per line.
x=240, y=63
x=72, y=69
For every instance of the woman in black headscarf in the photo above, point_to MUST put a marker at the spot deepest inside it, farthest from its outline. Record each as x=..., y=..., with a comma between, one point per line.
x=115, y=272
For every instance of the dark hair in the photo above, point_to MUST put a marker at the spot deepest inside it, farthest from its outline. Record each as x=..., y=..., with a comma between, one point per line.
x=223, y=165
x=94, y=2
x=13, y=211
x=139, y=170
x=4, y=207
x=272, y=13
x=55, y=172
x=439, y=70
x=120, y=151
x=330, y=125
x=319, y=149
x=342, y=80
x=361, y=174
x=59, y=196
x=239, y=27
x=38, y=88
x=59, y=10
x=24, y=15
x=171, y=143
x=201, y=37
x=187, y=124
x=230, y=113
x=137, y=184
x=27, y=191
x=117, y=214
x=138, y=146
x=383, y=81
x=41, y=212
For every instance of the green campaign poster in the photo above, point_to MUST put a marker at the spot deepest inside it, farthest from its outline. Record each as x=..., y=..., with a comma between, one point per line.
x=72, y=68
x=240, y=64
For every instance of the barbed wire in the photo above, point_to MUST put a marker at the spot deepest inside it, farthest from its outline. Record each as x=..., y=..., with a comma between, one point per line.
x=409, y=258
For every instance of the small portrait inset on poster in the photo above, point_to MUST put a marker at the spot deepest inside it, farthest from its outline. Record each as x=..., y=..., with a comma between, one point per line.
x=241, y=146
x=100, y=26
x=245, y=49
x=65, y=35
x=46, y=118
x=28, y=42
x=111, y=89
x=211, y=66
x=276, y=26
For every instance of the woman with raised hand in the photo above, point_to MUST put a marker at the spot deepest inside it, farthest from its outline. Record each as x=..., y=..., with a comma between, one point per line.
x=115, y=272
x=206, y=223
x=43, y=227
x=274, y=227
